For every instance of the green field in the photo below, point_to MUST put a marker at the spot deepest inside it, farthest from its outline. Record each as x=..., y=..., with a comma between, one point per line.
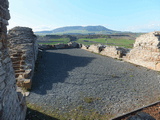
x=105, y=41
x=113, y=42
x=56, y=41
x=121, y=42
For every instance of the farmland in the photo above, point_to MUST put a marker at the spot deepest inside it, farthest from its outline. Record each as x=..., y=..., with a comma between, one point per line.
x=122, y=42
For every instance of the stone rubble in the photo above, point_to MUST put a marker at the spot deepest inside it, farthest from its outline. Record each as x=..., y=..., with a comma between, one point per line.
x=23, y=50
x=12, y=104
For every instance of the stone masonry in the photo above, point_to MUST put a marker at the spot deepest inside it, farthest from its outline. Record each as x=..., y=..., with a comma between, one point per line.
x=110, y=51
x=23, y=50
x=12, y=104
x=84, y=47
x=95, y=48
x=59, y=46
x=114, y=52
x=146, y=51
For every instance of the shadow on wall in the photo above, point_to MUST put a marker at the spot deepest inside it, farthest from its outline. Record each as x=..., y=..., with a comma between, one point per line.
x=35, y=115
x=53, y=68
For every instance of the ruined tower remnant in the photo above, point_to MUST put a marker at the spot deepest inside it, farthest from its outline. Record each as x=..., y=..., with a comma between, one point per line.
x=12, y=104
x=146, y=51
x=23, y=49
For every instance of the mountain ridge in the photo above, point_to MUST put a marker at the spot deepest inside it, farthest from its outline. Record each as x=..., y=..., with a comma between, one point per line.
x=79, y=30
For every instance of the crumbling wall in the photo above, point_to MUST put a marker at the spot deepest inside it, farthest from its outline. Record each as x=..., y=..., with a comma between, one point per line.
x=60, y=46
x=110, y=51
x=146, y=51
x=12, y=105
x=114, y=52
x=94, y=48
x=84, y=47
x=23, y=49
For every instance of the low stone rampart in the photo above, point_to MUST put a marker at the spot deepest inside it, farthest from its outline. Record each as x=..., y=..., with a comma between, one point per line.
x=60, y=46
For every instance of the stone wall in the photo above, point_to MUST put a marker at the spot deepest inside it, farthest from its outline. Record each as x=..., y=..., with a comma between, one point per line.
x=114, y=52
x=110, y=51
x=60, y=46
x=95, y=48
x=23, y=50
x=146, y=51
x=84, y=47
x=12, y=104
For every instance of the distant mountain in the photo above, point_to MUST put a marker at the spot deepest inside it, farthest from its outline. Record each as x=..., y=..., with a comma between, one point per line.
x=79, y=30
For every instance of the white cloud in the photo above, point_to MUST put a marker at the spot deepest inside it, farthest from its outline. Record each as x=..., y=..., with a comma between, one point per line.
x=42, y=28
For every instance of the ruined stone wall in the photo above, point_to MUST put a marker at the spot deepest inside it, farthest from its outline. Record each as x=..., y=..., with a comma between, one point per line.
x=146, y=51
x=23, y=50
x=94, y=48
x=114, y=52
x=110, y=51
x=59, y=46
x=84, y=47
x=12, y=104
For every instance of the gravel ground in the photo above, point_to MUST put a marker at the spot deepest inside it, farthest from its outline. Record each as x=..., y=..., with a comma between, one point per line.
x=69, y=78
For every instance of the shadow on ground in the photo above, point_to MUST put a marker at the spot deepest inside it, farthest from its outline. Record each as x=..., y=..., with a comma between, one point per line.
x=35, y=115
x=53, y=67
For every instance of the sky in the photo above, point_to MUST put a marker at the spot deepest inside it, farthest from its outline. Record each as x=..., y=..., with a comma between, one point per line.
x=121, y=15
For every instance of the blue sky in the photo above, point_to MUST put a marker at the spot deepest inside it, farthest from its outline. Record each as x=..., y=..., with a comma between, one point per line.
x=122, y=15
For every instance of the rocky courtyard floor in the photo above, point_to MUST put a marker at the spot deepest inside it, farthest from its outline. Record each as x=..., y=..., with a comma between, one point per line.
x=75, y=83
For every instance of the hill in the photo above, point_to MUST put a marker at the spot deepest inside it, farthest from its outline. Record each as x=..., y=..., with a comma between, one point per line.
x=79, y=30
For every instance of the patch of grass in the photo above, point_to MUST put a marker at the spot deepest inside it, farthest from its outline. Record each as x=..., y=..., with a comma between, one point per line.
x=80, y=107
x=123, y=80
x=131, y=75
x=36, y=112
x=120, y=59
x=88, y=99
